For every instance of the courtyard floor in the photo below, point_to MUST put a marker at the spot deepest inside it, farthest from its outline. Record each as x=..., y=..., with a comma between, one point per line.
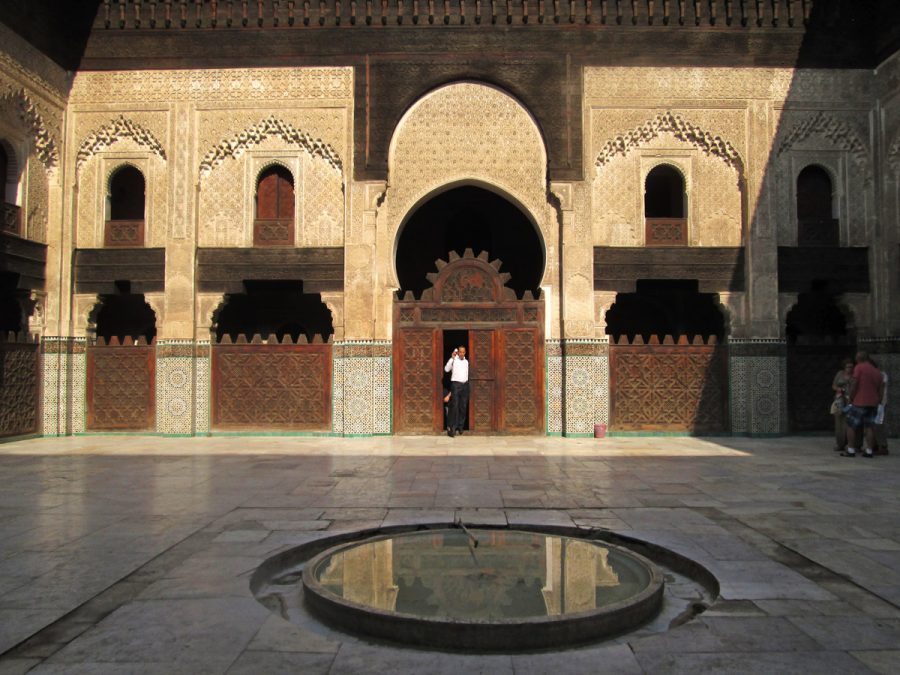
x=133, y=554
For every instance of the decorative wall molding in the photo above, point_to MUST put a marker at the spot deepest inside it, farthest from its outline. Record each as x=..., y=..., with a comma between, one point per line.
x=838, y=132
x=235, y=146
x=683, y=130
x=118, y=129
x=44, y=144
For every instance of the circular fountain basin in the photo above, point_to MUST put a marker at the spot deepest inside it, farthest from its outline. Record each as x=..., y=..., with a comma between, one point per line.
x=483, y=589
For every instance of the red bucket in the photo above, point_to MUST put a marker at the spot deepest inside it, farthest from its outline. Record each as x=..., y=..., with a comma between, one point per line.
x=599, y=431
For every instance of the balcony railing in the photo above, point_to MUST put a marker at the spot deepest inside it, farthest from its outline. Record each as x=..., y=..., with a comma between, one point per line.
x=12, y=219
x=666, y=232
x=273, y=232
x=818, y=232
x=124, y=233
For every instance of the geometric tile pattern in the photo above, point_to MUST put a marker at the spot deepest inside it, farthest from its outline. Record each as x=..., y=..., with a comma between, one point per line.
x=758, y=395
x=52, y=367
x=381, y=392
x=337, y=395
x=202, y=387
x=554, y=389
x=175, y=392
x=77, y=387
x=586, y=375
x=359, y=409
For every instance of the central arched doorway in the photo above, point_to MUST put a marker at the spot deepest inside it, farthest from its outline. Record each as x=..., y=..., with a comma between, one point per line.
x=470, y=263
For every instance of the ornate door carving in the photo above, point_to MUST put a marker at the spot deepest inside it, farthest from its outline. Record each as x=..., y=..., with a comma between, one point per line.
x=506, y=340
x=521, y=412
x=415, y=355
x=482, y=380
x=19, y=387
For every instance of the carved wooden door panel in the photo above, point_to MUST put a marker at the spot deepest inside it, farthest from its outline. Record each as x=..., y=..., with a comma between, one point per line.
x=121, y=391
x=482, y=380
x=521, y=393
x=810, y=372
x=417, y=380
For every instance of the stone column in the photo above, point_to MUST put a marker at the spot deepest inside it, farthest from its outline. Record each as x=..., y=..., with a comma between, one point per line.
x=584, y=379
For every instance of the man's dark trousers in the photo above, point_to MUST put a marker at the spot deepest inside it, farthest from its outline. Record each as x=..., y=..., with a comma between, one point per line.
x=459, y=405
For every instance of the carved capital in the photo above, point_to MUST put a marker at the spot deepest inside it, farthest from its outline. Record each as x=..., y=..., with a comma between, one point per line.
x=84, y=314
x=208, y=306
x=335, y=304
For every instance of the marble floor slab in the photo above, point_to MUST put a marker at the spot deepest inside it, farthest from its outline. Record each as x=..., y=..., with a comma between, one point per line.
x=134, y=554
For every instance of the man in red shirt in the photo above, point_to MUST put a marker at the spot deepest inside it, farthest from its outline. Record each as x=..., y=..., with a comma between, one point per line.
x=866, y=390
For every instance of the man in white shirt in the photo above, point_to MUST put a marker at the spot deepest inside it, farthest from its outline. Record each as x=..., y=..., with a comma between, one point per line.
x=458, y=367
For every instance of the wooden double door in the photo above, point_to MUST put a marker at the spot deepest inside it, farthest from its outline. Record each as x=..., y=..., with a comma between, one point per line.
x=506, y=378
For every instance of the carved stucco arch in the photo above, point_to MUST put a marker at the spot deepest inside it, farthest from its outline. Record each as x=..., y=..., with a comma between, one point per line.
x=680, y=128
x=45, y=146
x=467, y=133
x=116, y=167
x=118, y=129
x=235, y=146
x=839, y=133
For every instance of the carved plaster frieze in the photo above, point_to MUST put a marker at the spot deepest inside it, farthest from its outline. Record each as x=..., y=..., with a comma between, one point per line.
x=235, y=146
x=118, y=129
x=45, y=147
x=681, y=129
x=838, y=132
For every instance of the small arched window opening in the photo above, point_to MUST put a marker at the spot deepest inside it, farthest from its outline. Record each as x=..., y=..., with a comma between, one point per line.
x=664, y=207
x=125, y=315
x=274, y=223
x=125, y=208
x=816, y=225
x=12, y=214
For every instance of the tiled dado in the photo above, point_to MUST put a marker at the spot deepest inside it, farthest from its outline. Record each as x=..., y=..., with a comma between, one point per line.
x=362, y=388
x=64, y=379
x=175, y=386
x=758, y=387
x=577, y=386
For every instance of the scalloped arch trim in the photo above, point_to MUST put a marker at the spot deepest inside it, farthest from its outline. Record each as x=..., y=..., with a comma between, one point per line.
x=271, y=126
x=838, y=132
x=120, y=128
x=683, y=130
x=44, y=145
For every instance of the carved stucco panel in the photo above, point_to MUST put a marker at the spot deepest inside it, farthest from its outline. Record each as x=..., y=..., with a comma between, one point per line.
x=37, y=201
x=216, y=85
x=611, y=83
x=322, y=221
x=465, y=133
x=712, y=187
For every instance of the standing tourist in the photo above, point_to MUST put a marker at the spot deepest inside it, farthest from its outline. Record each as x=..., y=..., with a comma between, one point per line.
x=866, y=391
x=458, y=367
x=841, y=387
x=880, y=430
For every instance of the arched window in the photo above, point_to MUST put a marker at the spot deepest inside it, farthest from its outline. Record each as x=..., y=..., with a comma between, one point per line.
x=816, y=225
x=125, y=208
x=664, y=210
x=12, y=215
x=274, y=224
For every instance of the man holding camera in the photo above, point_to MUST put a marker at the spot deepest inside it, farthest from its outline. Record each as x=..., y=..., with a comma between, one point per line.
x=458, y=367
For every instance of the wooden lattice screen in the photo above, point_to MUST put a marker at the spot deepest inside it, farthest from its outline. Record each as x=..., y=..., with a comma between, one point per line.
x=271, y=385
x=121, y=385
x=668, y=385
